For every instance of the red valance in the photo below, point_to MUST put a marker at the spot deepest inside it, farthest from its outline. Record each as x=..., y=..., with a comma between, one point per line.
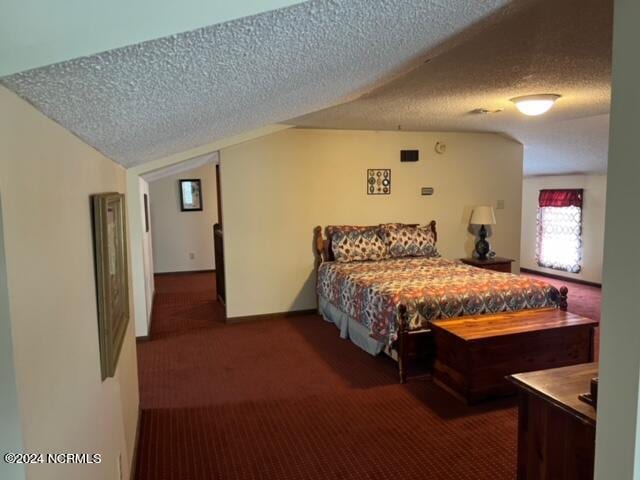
x=561, y=198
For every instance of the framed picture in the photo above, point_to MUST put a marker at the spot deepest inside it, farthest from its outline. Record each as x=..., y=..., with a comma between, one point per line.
x=379, y=181
x=190, y=195
x=112, y=285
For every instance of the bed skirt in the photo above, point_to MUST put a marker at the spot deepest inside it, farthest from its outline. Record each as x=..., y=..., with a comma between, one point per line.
x=349, y=328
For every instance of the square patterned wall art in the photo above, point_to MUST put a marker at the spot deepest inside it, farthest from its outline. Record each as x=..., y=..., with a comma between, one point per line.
x=378, y=181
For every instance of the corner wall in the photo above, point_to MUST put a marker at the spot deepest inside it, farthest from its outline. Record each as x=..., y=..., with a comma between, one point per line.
x=143, y=323
x=179, y=234
x=618, y=432
x=46, y=177
x=277, y=188
x=595, y=190
x=11, y=431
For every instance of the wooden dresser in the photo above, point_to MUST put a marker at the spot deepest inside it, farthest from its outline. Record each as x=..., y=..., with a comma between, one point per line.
x=498, y=264
x=556, y=430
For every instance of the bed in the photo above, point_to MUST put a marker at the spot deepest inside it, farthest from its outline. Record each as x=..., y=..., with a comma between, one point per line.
x=384, y=302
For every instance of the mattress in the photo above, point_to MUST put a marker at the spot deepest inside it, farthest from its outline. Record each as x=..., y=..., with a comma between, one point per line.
x=431, y=288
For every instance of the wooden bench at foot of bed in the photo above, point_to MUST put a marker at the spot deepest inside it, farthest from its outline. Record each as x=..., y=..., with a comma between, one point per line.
x=475, y=354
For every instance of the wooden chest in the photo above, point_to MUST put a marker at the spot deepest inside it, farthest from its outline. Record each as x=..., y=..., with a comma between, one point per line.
x=475, y=354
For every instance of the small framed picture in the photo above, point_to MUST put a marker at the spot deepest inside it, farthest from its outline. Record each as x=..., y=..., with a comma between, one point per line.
x=190, y=195
x=379, y=181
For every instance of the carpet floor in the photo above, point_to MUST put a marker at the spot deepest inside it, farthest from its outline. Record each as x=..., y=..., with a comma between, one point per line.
x=584, y=300
x=287, y=399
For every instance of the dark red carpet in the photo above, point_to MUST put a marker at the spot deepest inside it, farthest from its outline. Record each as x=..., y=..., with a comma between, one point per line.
x=583, y=299
x=287, y=399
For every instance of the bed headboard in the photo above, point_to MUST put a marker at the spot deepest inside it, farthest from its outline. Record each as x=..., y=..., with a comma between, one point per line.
x=322, y=242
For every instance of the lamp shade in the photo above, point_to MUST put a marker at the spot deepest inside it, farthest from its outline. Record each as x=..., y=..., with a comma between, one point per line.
x=483, y=216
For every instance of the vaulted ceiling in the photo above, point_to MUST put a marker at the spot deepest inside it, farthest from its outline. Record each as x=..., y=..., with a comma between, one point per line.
x=153, y=99
x=547, y=46
x=353, y=64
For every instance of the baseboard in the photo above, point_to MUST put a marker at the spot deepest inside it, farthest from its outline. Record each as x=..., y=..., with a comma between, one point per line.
x=183, y=272
x=134, y=457
x=560, y=277
x=271, y=316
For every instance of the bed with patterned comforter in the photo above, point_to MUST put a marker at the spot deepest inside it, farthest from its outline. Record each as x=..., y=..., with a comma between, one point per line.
x=431, y=288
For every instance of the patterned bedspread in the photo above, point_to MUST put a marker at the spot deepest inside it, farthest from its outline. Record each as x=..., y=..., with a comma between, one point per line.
x=431, y=288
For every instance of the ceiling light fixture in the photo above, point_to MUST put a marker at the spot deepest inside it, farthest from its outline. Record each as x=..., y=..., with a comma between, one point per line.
x=533, y=105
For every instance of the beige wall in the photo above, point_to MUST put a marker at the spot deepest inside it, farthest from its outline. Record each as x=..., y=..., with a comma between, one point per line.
x=277, y=188
x=142, y=326
x=178, y=234
x=595, y=189
x=10, y=433
x=46, y=177
x=618, y=432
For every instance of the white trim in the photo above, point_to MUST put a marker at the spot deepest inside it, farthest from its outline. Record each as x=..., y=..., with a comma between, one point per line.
x=185, y=166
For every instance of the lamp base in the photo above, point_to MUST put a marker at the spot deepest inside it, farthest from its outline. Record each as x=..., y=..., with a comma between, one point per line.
x=482, y=245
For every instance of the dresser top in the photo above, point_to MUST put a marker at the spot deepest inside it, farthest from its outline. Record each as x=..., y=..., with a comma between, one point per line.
x=561, y=387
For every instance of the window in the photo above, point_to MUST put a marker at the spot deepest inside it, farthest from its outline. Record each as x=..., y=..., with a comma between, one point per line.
x=559, y=236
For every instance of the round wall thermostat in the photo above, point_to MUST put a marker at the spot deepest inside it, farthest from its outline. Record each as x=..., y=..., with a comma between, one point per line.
x=440, y=148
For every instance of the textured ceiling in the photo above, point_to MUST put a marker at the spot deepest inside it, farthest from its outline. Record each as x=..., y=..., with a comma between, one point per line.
x=578, y=145
x=547, y=46
x=150, y=100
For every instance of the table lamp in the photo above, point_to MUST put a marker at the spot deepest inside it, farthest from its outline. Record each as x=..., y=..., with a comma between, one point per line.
x=483, y=216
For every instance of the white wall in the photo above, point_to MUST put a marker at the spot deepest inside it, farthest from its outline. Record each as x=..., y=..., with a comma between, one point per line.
x=178, y=234
x=618, y=432
x=46, y=177
x=277, y=188
x=595, y=190
x=137, y=255
x=147, y=258
x=35, y=33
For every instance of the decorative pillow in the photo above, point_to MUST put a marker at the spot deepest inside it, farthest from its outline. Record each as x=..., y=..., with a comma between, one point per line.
x=358, y=244
x=410, y=241
x=333, y=229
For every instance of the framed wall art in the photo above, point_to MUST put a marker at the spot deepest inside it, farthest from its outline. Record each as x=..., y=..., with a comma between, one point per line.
x=191, y=195
x=379, y=181
x=112, y=284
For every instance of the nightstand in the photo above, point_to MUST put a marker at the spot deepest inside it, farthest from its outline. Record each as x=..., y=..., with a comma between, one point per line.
x=498, y=264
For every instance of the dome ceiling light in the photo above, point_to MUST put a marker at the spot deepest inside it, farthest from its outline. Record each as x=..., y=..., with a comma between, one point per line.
x=533, y=105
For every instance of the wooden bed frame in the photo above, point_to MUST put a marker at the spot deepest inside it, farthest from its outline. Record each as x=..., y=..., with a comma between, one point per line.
x=408, y=343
